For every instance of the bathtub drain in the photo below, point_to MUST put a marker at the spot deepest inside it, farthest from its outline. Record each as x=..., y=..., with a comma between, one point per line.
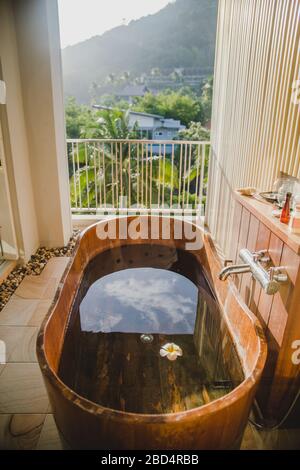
x=147, y=339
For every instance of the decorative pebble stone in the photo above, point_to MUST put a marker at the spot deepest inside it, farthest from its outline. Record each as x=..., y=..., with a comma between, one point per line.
x=34, y=267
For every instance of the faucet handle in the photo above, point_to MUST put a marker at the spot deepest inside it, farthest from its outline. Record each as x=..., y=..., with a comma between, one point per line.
x=278, y=273
x=261, y=256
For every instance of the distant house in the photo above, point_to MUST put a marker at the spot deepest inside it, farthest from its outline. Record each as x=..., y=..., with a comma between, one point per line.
x=152, y=126
x=156, y=127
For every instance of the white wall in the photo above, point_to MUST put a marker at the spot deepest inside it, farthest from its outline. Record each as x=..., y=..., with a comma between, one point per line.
x=143, y=121
x=15, y=137
x=40, y=65
x=33, y=123
x=8, y=238
x=7, y=228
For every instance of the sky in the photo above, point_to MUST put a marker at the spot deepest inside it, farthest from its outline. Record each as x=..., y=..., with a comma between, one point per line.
x=82, y=19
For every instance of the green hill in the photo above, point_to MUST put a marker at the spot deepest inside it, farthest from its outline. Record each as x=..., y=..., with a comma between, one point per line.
x=180, y=35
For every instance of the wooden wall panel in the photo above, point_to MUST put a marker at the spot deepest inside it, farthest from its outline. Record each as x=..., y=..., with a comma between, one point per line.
x=275, y=249
x=244, y=230
x=278, y=319
x=247, y=284
x=256, y=120
x=291, y=263
x=263, y=237
x=237, y=217
x=278, y=314
x=253, y=233
x=264, y=307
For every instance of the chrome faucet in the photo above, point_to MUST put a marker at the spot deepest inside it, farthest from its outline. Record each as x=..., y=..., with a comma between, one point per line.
x=234, y=269
x=254, y=263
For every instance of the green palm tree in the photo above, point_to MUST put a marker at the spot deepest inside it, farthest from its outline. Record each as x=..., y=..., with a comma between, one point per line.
x=104, y=176
x=107, y=170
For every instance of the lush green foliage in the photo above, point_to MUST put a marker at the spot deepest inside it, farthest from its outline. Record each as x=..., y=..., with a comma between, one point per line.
x=95, y=181
x=206, y=100
x=183, y=104
x=170, y=104
x=78, y=119
x=195, y=132
x=85, y=123
x=89, y=175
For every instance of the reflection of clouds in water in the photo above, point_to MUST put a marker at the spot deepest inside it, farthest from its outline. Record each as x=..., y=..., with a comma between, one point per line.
x=140, y=300
x=151, y=296
x=108, y=322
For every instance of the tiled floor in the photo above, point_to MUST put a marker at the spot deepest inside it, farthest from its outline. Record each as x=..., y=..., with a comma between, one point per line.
x=25, y=419
x=20, y=431
x=278, y=439
x=25, y=422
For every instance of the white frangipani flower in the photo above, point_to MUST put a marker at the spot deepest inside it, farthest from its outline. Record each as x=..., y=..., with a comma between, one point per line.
x=171, y=351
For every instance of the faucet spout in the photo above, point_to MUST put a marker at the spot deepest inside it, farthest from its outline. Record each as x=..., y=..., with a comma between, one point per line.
x=234, y=269
x=269, y=280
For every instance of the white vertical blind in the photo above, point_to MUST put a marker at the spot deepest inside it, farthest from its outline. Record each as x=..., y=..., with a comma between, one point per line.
x=255, y=122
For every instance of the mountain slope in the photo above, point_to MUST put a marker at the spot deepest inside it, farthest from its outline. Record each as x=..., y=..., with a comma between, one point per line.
x=180, y=35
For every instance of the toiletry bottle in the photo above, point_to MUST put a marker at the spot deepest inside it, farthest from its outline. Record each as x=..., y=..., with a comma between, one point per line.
x=294, y=224
x=285, y=214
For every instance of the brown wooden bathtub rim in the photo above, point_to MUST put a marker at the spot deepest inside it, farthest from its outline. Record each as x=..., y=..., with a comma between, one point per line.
x=232, y=308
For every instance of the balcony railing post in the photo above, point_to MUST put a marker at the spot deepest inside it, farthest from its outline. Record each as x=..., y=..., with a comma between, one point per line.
x=95, y=174
x=129, y=174
x=172, y=177
x=103, y=174
x=169, y=174
x=203, y=150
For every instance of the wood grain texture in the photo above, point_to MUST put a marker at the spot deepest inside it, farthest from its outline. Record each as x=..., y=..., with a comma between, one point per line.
x=247, y=283
x=235, y=234
x=262, y=210
x=278, y=314
x=85, y=424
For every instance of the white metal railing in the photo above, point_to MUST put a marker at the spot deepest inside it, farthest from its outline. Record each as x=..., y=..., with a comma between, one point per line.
x=108, y=175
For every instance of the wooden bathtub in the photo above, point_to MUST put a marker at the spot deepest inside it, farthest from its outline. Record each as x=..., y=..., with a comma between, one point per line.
x=219, y=424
